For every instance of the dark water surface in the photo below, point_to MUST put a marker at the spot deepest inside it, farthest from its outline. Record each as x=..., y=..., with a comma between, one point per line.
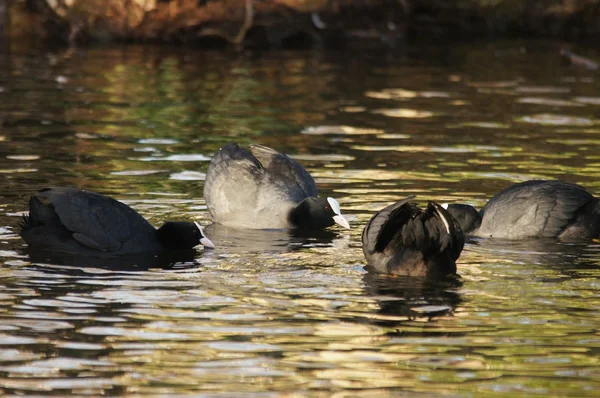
x=270, y=314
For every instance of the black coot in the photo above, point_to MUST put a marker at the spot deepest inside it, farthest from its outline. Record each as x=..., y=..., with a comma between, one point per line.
x=86, y=223
x=261, y=188
x=404, y=239
x=534, y=209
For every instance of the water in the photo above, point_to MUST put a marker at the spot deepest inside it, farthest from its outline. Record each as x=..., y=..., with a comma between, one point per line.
x=273, y=315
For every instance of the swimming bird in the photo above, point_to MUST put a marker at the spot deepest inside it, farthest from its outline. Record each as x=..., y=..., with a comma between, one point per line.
x=260, y=188
x=87, y=223
x=534, y=209
x=404, y=239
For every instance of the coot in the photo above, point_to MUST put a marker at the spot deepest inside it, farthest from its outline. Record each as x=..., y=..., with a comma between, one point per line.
x=86, y=223
x=404, y=239
x=534, y=209
x=261, y=188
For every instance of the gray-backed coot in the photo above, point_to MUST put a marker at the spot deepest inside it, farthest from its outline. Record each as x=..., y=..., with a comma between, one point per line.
x=86, y=223
x=534, y=209
x=404, y=239
x=261, y=188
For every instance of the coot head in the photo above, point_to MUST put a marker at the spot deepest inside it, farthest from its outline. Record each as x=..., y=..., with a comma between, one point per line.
x=183, y=236
x=467, y=216
x=317, y=213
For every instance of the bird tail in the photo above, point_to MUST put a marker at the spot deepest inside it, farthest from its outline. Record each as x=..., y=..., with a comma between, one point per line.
x=37, y=212
x=24, y=224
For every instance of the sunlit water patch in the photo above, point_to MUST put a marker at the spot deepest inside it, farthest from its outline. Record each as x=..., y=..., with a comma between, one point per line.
x=556, y=120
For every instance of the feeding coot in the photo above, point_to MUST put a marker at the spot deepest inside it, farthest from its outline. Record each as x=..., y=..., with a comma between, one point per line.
x=86, y=223
x=261, y=188
x=534, y=209
x=404, y=239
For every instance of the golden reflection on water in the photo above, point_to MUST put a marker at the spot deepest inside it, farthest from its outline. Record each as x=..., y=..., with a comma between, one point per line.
x=280, y=314
x=404, y=113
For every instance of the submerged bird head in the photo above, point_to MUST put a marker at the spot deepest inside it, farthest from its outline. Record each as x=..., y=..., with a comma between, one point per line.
x=318, y=213
x=467, y=216
x=183, y=236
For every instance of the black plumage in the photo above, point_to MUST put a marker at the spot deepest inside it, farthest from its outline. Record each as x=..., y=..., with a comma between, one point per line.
x=534, y=209
x=82, y=222
x=261, y=188
x=404, y=239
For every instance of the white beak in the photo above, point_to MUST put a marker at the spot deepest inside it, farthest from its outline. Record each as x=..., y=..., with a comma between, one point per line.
x=204, y=241
x=340, y=220
x=207, y=243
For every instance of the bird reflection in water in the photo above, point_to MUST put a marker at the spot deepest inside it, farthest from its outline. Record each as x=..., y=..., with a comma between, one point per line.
x=227, y=240
x=135, y=262
x=413, y=297
x=239, y=240
x=566, y=257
